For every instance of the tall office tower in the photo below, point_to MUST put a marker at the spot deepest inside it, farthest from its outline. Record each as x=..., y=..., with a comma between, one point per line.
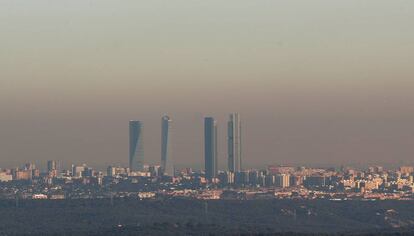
x=136, y=149
x=210, y=147
x=234, y=143
x=166, y=146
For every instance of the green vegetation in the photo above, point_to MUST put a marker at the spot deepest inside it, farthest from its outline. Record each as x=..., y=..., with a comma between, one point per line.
x=191, y=217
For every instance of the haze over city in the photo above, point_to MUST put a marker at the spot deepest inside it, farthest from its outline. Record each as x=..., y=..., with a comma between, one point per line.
x=316, y=82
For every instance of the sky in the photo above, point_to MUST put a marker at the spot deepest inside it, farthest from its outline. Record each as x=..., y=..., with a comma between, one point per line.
x=322, y=82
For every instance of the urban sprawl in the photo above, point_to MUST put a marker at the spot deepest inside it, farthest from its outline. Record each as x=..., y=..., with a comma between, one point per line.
x=140, y=181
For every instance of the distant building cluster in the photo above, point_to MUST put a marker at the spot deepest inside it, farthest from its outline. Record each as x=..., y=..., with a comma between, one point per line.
x=234, y=144
x=142, y=181
x=81, y=181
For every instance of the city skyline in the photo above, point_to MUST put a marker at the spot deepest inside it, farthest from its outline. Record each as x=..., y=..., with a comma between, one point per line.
x=207, y=117
x=233, y=140
x=320, y=83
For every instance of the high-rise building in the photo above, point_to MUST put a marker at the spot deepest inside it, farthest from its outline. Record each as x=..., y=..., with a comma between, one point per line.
x=136, y=149
x=166, y=146
x=78, y=171
x=283, y=180
x=234, y=143
x=210, y=147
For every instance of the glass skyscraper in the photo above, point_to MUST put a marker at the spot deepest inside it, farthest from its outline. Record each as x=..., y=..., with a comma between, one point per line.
x=234, y=143
x=166, y=146
x=210, y=147
x=136, y=149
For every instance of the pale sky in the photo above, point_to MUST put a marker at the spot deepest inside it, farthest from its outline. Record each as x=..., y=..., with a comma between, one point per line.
x=321, y=82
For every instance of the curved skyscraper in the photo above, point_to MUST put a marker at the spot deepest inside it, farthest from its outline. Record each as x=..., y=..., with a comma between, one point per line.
x=166, y=146
x=210, y=147
x=234, y=143
x=136, y=149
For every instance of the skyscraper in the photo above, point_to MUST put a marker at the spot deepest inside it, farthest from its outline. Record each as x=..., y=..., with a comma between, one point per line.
x=210, y=147
x=136, y=149
x=166, y=146
x=234, y=143
x=283, y=180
